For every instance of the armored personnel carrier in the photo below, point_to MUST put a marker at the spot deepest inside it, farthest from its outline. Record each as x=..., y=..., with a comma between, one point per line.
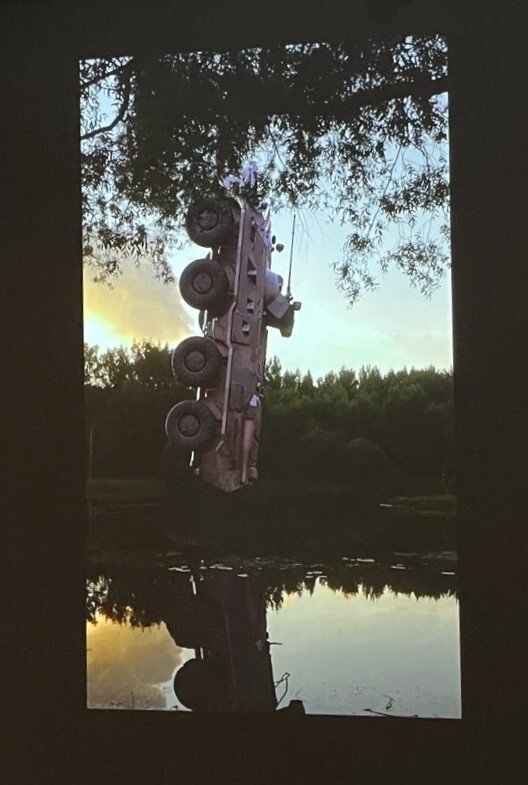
x=238, y=297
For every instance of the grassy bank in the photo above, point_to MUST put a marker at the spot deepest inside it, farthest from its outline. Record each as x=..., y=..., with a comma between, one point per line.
x=104, y=492
x=445, y=503
x=270, y=517
x=129, y=491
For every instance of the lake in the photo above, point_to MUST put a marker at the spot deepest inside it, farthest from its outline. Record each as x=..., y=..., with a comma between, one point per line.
x=355, y=637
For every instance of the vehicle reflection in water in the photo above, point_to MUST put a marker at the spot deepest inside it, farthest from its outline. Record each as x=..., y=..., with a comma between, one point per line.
x=224, y=621
x=355, y=638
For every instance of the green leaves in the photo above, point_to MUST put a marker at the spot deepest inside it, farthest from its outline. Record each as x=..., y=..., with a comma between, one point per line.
x=142, y=367
x=334, y=428
x=325, y=122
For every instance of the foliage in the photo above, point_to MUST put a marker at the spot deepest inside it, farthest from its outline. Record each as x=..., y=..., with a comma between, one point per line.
x=359, y=130
x=363, y=428
x=144, y=366
x=142, y=598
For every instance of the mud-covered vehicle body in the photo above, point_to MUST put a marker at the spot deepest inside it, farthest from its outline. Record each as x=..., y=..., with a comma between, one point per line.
x=239, y=297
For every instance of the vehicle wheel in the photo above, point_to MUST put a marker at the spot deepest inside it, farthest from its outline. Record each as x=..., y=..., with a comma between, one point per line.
x=210, y=222
x=196, y=361
x=195, y=623
x=190, y=425
x=204, y=285
x=197, y=686
x=187, y=626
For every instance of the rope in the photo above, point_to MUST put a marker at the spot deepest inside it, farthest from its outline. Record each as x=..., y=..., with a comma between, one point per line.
x=283, y=678
x=291, y=255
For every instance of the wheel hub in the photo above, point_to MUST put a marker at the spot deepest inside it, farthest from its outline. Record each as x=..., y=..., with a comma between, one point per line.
x=189, y=425
x=195, y=361
x=207, y=220
x=202, y=283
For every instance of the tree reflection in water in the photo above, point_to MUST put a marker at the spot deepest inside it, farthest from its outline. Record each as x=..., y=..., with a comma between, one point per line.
x=220, y=613
x=145, y=596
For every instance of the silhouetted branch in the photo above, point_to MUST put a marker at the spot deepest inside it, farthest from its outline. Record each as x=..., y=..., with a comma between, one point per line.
x=106, y=75
x=120, y=115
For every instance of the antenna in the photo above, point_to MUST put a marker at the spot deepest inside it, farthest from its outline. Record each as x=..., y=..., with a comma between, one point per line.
x=288, y=290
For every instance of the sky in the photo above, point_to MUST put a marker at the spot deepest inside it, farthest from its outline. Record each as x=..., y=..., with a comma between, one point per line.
x=396, y=646
x=392, y=327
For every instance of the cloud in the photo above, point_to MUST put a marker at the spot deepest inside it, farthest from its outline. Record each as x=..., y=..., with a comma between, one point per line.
x=137, y=306
x=128, y=666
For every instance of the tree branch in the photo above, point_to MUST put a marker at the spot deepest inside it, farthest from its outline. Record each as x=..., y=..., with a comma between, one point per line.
x=422, y=88
x=389, y=181
x=101, y=77
x=257, y=100
x=120, y=115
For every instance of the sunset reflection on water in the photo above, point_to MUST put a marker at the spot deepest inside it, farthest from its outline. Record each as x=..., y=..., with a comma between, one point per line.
x=395, y=654
x=128, y=667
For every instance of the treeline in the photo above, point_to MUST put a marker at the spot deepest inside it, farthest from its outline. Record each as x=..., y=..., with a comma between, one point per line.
x=345, y=426
x=146, y=597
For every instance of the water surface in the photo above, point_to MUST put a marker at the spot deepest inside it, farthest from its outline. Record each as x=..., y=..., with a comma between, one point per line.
x=348, y=639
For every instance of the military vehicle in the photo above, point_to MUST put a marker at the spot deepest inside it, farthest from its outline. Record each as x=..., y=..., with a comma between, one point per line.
x=238, y=297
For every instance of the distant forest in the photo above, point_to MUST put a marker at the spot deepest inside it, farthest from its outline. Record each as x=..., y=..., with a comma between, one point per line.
x=142, y=598
x=356, y=427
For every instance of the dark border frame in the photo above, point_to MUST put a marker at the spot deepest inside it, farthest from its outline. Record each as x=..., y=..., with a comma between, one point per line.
x=45, y=519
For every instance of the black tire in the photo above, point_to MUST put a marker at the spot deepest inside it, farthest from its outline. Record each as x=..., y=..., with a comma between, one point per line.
x=195, y=623
x=190, y=425
x=204, y=285
x=196, y=361
x=187, y=625
x=211, y=222
x=197, y=686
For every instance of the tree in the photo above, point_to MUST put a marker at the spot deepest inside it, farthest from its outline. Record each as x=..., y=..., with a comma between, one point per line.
x=152, y=365
x=366, y=466
x=357, y=128
x=92, y=365
x=144, y=366
x=273, y=374
x=306, y=386
x=318, y=454
x=324, y=431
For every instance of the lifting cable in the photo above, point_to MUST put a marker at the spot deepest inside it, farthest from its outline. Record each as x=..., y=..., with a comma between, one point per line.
x=288, y=290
